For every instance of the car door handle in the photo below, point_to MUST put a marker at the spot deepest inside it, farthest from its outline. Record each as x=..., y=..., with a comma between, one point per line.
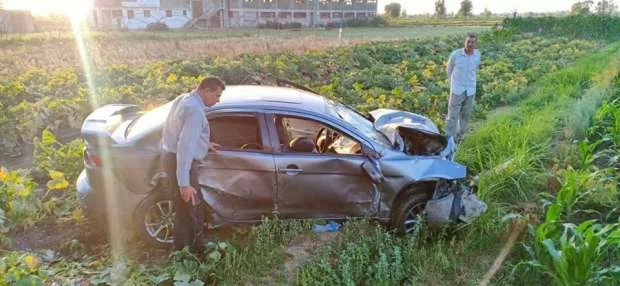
x=291, y=170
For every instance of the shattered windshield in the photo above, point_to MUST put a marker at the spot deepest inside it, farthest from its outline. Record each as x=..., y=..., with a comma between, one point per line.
x=359, y=122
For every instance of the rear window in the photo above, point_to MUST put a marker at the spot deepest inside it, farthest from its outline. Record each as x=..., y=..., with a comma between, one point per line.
x=147, y=121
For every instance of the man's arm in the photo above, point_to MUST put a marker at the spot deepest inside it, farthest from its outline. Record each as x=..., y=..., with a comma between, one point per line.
x=189, y=135
x=450, y=66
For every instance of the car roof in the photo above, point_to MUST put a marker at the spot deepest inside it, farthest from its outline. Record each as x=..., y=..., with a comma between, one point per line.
x=244, y=96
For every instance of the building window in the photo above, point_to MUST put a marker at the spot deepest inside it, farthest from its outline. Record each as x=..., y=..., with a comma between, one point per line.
x=168, y=13
x=337, y=15
x=117, y=13
x=300, y=1
x=325, y=15
x=130, y=14
x=285, y=15
x=147, y=13
x=184, y=12
x=299, y=15
x=349, y=14
x=268, y=14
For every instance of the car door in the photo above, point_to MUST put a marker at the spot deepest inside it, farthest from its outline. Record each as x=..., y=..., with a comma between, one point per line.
x=318, y=185
x=238, y=181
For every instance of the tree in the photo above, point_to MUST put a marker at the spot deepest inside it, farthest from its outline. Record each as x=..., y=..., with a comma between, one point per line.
x=466, y=8
x=392, y=9
x=404, y=13
x=581, y=8
x=606, y=7
x=440, y=8
x=487, y=13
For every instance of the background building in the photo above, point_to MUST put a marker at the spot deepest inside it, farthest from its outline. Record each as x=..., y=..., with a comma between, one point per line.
x=138, y=14
x=16, y=21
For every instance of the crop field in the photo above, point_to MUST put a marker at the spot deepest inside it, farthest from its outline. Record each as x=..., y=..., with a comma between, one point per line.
x=54, y=50
x=544, y=145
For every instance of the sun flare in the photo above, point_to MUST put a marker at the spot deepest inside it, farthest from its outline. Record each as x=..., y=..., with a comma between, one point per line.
x=77, y=10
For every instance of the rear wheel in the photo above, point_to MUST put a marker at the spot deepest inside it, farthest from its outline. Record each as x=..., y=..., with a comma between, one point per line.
x=154, y=219
x=408, y=212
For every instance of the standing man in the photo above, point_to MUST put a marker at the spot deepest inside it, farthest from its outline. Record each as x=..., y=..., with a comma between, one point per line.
x=185, y=141
x=461, y=70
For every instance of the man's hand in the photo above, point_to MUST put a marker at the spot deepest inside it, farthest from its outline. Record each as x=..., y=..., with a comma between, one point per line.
x=188, y=193
x=214, y=147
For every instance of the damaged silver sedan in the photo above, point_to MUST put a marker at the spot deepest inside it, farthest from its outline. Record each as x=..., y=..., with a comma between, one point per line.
x=284, y=151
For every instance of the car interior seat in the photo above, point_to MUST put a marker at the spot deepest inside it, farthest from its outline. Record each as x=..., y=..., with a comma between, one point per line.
x=302, y=144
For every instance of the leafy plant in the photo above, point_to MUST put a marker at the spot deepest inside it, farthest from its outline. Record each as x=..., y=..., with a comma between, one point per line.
x=21, y=269
x=18, y=200
x=50, y=155
x=576, y=256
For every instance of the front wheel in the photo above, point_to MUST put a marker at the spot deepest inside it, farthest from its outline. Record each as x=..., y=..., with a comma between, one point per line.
x=407, y=214
x=154, y=220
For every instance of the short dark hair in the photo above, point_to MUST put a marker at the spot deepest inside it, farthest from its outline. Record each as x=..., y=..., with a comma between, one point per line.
x=472, y=35
x=211, y=82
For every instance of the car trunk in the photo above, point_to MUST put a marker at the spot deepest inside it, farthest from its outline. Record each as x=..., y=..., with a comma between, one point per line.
x=108, y=157
x=101, y=127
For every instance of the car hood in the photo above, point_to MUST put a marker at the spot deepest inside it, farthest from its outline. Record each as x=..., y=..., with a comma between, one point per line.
x=412, y=133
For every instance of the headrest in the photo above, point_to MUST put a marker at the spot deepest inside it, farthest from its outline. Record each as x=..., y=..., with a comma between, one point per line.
x=301, y=144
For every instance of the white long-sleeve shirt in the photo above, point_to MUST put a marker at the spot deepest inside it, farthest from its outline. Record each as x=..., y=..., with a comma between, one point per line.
x=462, y=71
x=186, y=133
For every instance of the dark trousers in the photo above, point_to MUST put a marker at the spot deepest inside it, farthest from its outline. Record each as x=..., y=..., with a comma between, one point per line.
x=188, y=219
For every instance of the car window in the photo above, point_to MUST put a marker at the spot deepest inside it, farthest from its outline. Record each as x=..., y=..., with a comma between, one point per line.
x=147, y=121
x=301, y=135
x=236, y=132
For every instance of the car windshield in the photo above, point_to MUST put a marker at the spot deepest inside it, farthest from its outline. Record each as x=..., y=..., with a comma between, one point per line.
x=359, y=122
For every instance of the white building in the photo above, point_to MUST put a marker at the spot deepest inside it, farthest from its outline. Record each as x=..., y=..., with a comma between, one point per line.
x=138, y=14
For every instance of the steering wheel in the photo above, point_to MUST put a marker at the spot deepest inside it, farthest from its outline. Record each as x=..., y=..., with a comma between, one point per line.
x=247, y=145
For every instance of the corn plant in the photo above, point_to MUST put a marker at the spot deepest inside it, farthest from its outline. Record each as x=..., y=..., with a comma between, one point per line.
x=576, y=256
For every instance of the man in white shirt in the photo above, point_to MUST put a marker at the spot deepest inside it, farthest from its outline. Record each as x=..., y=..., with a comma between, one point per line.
x=185, y=142
x=461, y=70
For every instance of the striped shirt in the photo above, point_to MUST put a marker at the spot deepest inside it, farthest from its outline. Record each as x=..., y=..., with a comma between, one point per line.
x=186, y=133
x=462, y=71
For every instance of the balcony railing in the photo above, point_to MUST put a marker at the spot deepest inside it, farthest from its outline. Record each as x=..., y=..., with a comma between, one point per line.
x=304, y=5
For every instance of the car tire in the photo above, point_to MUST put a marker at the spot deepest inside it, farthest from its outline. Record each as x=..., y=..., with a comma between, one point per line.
x=154, y=219
x=410, y=205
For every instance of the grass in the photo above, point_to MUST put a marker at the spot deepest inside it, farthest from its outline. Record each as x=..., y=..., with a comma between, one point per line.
x=448, y=21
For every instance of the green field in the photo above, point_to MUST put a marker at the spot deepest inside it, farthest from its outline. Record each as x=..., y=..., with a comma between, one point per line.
x=544, y=145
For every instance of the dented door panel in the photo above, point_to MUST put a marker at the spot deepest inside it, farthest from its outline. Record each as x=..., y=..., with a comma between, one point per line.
x=325, y=186
x=239, y=185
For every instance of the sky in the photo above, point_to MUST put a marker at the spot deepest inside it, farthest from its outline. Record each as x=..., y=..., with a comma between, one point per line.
x=412, y=6
x=70, y=7
x=496, y=6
